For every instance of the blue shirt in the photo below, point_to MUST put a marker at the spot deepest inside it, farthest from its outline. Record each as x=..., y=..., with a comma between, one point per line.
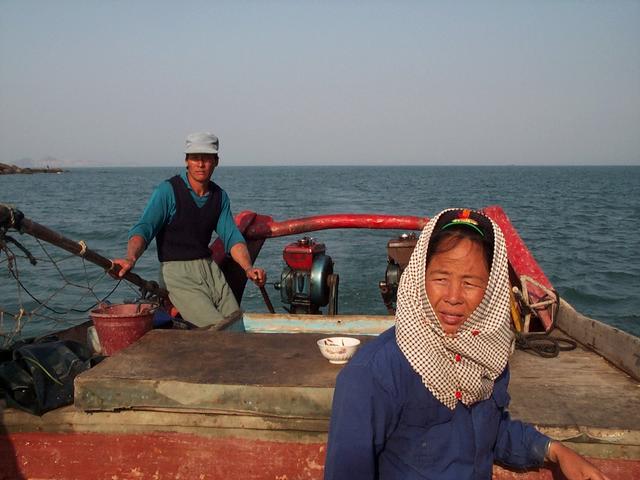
x=161, y=209
x=385, y=424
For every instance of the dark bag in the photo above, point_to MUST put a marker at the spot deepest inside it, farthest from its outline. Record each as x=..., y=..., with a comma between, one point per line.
x=38, y=377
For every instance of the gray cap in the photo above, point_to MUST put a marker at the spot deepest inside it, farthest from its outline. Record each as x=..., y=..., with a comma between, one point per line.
x=201, y=142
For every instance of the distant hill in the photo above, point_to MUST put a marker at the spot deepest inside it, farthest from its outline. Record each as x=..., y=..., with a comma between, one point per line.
x=6, y=169
x=49, y=162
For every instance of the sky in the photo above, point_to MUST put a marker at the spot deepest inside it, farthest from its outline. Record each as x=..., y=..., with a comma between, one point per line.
x=121, y=83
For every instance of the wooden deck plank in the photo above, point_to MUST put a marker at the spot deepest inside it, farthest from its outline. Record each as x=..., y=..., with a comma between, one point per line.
x=268, y=374
x=233, y=358
x=577, y=388
x=273, y=374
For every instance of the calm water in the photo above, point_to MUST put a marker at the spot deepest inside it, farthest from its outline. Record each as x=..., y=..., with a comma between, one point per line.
x=581, y=223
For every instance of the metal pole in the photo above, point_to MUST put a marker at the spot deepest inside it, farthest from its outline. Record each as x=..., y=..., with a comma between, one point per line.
x=267, y=300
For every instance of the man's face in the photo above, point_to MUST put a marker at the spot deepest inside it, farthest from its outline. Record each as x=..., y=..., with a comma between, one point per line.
x=456, y=280
x=200, y=166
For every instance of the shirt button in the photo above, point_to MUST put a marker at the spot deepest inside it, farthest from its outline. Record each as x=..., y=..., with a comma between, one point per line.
x=458, y=357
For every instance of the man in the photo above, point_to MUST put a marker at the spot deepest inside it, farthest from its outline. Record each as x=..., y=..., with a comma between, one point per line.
x=182, y=213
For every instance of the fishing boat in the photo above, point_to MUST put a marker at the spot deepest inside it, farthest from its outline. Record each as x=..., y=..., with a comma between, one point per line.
x=253, y=398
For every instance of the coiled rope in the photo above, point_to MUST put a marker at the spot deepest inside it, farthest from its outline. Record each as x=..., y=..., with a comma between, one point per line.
x=543, y=344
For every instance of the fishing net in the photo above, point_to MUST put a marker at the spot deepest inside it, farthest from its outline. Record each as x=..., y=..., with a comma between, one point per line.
x=44, y=288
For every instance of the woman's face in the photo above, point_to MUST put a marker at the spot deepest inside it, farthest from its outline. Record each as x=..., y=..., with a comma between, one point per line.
x=456, y=280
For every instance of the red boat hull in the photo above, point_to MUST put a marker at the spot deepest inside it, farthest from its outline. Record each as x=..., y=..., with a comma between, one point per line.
x=174, y=455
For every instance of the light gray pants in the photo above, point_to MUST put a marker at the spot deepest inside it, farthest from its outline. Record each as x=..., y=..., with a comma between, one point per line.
x=198, y=289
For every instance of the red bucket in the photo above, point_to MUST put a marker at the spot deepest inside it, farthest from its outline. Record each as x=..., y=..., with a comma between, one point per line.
x=118, y=326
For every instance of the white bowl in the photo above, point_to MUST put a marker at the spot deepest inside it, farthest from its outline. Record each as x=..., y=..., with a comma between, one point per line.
x=338, y=350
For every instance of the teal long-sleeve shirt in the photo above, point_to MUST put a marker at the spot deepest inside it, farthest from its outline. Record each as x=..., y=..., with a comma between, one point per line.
x=161, y=209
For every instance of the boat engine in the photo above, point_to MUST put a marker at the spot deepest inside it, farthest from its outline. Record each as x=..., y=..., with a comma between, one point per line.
x=399, y=252
x=307, y=281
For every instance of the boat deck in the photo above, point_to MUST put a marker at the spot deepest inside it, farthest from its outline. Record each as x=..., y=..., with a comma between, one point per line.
x=247, y=373
x=201, y=381
x=577, y=396
x=250, y=373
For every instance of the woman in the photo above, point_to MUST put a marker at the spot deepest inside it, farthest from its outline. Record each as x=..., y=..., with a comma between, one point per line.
x=427, y=399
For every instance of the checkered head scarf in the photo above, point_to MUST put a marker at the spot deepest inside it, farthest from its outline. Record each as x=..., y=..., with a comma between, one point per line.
x=461, y=367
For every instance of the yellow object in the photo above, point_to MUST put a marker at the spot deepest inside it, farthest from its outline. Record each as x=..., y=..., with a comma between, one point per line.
x=515, y=312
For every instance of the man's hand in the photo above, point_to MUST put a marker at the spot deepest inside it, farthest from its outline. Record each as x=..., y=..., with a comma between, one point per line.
x=241, y=256
x=573, y=465
x=135, y=247
x=125, y=265
x=256, y=275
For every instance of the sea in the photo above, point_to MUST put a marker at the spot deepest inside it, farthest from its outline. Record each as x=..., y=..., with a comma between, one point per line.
x=582, y=224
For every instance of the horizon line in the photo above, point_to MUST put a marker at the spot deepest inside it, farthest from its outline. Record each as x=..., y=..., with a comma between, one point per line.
x=465, y=165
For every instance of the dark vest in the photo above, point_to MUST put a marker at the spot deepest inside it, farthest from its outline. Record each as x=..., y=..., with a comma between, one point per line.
x=187, y=235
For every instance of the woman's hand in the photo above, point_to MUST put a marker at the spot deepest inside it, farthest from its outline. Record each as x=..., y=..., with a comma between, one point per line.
x=573, y=465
